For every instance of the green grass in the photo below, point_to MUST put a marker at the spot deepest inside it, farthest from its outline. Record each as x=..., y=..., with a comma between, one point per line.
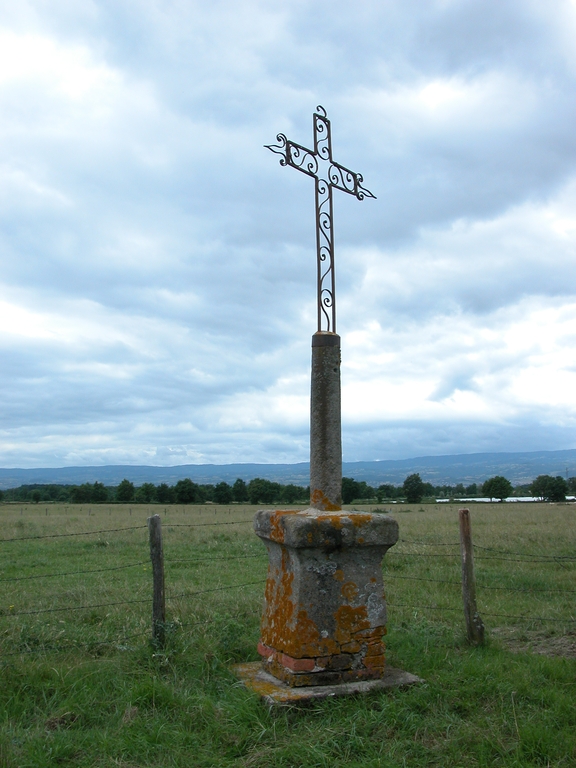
x=87, y=688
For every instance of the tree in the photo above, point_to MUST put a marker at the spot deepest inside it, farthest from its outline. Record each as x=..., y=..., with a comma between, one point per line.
x=1, y=495
x=428, y=489
x=187, y=492
x=165, y=494
x=222, y=493
x=557, y=489
x=239, y=491
x=99, y=493
x=413, y=488
x=497, y=487
x=549, y=488
x=522, y=489
x=145, y=494
x=88, y=493
x=350, y=490
x=81, y=494
x=262, y=491
x=207, y=491
x=385, y=491
x=472, y=489
x=125, y=492
x=291, y=493
x=365, y=491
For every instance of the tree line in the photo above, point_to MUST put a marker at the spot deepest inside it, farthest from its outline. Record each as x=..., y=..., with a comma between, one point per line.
x=544, y=487
x=185, y=491
x=261, y=491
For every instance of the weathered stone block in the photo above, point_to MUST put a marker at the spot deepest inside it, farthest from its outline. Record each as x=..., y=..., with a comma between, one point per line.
x=324, y=615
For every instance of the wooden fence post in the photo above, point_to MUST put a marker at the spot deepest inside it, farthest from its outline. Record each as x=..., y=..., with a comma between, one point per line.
x=474, y=625
x=158, y=601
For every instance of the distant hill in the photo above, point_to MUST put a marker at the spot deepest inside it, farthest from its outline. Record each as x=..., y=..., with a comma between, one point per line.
x=439, y=470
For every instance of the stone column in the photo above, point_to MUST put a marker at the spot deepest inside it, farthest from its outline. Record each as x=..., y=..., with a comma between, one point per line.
x=324, y=614
x=325, y=424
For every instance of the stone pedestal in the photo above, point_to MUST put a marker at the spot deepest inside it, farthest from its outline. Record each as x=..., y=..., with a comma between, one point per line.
x=324, y=615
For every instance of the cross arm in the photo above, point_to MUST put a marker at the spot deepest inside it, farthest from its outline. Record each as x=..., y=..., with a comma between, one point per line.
x=348, y=181
x=295, y=155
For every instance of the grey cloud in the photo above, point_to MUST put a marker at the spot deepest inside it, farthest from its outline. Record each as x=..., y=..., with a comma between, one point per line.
x=396, y=440
x=456, y=381
x=194, y=251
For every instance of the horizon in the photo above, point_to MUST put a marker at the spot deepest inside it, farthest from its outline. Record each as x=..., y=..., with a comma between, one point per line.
x=519, y=467
x=291, y=463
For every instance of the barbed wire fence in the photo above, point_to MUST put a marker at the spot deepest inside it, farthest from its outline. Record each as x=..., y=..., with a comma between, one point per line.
x=466, y=555
x=157, y=634
x=158, y=598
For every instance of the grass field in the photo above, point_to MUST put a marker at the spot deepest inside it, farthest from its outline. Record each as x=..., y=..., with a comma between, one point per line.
x=83, y=686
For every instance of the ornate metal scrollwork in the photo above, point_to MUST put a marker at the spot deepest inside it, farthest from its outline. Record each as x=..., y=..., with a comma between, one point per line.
x=319, y=164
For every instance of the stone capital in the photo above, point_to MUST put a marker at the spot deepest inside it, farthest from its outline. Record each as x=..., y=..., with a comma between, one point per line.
x=313, y=528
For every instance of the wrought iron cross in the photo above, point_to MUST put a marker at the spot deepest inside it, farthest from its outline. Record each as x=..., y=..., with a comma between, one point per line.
x=327, y=174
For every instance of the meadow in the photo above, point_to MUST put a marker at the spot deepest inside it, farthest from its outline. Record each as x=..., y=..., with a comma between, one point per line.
x=83, y=685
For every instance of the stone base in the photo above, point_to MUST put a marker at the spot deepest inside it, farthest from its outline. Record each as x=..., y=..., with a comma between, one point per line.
x=368, y=664
x=277, y=693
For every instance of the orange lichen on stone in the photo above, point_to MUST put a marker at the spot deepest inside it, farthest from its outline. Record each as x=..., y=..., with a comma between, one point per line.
x=286, y=631
x=349, y=621
x=354, y=646
x=306, y=637
x=375, y=648
x=339, y=575
x=372, y=633
x=262, y=687
x=319, y=500
x=279, y=583
x=375, y=664
x=359, y=518
x=279, y=606
x=305, y=641
x=349, y=591
x=276, y=529
x=334, y=520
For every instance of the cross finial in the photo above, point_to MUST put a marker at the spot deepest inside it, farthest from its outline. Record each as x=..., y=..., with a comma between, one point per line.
x=327, y=173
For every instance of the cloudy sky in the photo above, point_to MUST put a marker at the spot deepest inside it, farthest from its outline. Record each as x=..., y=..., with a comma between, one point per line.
x=157, y=282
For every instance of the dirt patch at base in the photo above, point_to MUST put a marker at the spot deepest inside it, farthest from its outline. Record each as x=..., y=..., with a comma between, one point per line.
x=537, y=642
